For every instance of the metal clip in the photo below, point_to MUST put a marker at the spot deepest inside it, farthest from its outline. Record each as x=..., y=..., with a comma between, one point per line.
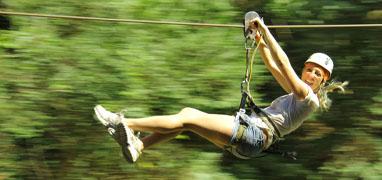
x=249, y=43
x=243, y=86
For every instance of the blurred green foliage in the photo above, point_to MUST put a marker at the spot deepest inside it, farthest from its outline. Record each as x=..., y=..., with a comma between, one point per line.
x=53, y=71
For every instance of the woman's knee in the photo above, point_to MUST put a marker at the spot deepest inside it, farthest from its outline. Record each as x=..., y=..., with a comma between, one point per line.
x=190, y=118
x=190, y=112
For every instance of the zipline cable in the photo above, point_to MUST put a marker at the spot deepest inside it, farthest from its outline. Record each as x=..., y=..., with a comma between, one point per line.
x=183, y=23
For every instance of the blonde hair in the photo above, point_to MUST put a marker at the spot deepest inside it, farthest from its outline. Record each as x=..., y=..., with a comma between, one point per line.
x=326, y=88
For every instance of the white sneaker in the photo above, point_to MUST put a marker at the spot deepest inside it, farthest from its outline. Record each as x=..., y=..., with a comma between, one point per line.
x=130, y=144
x=106, y=117
x=109, y=120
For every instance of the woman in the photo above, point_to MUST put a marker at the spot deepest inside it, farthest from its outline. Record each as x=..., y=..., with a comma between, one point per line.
x=287, y=113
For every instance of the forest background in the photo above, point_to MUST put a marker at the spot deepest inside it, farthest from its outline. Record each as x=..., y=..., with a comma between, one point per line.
x=53, y=72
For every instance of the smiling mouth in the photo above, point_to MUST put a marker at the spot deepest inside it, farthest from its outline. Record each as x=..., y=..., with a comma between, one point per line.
x=308, y=83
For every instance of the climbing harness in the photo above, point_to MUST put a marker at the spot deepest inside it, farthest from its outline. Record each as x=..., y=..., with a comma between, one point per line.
x=247, y=102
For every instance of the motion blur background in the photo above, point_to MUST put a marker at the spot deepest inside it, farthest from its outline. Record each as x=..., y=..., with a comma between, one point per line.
x=53, y=71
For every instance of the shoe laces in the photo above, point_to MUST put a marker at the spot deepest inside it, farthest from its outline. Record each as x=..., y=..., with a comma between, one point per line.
x=121, y=116
x=122, y=112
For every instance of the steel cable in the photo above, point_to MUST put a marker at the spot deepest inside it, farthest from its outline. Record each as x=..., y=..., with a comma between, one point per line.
x=183, y=23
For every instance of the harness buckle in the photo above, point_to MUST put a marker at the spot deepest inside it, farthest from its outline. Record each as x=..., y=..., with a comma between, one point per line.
x=249, y=44
x=244, y=85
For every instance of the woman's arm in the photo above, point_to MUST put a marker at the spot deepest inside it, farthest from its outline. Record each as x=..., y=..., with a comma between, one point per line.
x=271, y=65
x=289, y=77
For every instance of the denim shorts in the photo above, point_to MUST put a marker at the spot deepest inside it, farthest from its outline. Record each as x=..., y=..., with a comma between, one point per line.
x=252, y=141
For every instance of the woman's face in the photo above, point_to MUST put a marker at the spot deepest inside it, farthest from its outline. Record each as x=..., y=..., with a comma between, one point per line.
x=313, y=75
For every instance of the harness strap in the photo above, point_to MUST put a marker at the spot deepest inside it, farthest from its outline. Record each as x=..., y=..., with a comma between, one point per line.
x=240, y=133
x=275, y=149
x=264, y=117
x=232, y=147
x=267, y=120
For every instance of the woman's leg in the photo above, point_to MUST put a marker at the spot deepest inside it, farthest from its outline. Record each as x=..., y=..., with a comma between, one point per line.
x=215, y=128
x=156, y=138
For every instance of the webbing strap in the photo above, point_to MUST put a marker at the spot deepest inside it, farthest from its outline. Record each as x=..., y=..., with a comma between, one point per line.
x=267, y=120
x=249, y=64
x=246, y=98
x=240, y=133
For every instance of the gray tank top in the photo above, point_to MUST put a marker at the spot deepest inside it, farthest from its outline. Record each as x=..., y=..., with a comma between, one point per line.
x=288, y=113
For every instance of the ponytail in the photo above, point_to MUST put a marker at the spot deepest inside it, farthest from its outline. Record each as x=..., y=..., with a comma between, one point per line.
x=326, y=88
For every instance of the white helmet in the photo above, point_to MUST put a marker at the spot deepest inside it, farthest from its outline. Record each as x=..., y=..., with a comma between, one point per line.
x=323, y=60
